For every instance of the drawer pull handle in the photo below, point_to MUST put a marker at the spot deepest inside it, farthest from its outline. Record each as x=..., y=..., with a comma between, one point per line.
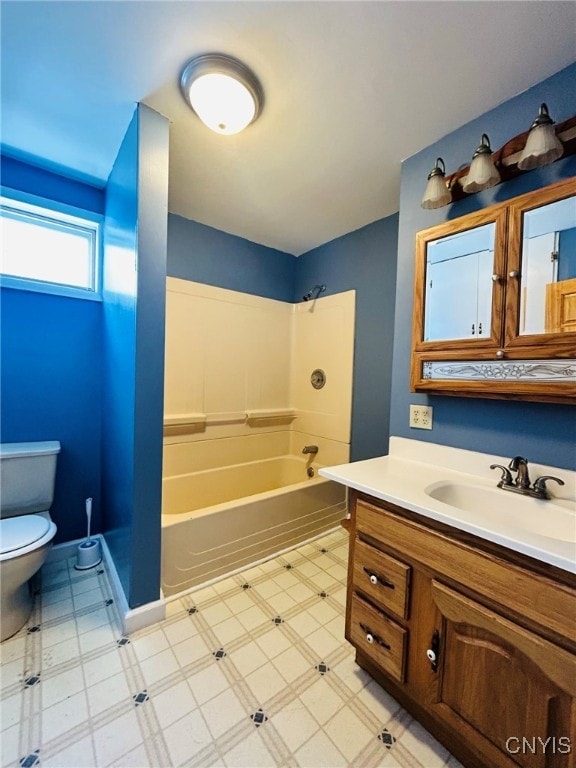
x=375, y=579
x=433, y=652
x=373, y=638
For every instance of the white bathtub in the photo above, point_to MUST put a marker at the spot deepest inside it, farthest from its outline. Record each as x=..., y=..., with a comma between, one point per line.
x=219, y=520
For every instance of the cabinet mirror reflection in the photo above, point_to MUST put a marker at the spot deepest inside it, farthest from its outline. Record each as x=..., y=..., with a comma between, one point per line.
x=458, y=299
x=548, y=269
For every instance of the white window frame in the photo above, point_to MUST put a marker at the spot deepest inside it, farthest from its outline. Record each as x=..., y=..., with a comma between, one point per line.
x=60, y=216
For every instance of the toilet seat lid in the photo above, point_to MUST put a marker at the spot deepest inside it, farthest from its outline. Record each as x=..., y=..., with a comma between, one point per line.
x=19, y=532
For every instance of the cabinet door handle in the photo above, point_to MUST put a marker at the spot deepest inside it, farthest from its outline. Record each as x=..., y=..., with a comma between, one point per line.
x=376, y=579
x=479, y=329
x=514, y=273
x=473, y=329
x=433, y=652
x=372, y=637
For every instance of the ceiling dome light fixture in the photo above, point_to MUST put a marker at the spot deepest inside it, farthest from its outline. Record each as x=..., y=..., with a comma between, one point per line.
x=222, y=91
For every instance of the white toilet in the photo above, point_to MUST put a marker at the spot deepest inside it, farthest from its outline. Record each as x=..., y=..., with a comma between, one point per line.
x=27, y=474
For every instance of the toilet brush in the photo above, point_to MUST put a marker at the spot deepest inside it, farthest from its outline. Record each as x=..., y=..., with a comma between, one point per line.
x=89, y=552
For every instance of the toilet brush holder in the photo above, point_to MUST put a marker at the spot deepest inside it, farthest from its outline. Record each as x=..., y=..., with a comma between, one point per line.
x=89, y=554
x=90, y=551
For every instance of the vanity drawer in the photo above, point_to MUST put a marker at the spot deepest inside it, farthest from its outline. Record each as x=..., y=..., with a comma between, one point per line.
x=381, y=577
x=535, y=597
x=378, y=637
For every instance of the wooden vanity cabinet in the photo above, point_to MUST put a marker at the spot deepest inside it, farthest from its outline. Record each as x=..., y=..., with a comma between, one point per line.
x=476, y=641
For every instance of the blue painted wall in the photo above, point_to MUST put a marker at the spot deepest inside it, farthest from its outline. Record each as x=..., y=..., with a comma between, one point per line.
x=364, y=260
x=542, y=432
x=150, y=322
x=119, y=341
x=133, y=371
x=50, y=358
x=17, y=174
x=207, y=255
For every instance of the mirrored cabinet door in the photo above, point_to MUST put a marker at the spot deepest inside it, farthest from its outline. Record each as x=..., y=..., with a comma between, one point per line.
x=542, y=266
x=459, y=270
x=458, y=285
x=495, y=300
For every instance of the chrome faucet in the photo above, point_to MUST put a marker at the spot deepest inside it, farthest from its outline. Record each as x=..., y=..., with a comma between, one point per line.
x=520, y=465
x=521, y=483
x=310, y=449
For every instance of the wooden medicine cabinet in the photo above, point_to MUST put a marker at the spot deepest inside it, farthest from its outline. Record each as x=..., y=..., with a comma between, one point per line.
x=495, y=301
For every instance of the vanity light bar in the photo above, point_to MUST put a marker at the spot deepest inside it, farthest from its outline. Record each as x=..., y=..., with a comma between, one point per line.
x=506, y=160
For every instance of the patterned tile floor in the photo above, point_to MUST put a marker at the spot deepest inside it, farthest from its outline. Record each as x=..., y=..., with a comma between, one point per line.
x=251, y=671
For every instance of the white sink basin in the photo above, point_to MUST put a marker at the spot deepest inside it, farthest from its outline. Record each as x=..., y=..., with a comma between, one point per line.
x=494, y=507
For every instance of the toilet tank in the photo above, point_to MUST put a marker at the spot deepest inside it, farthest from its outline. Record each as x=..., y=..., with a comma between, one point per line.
x=27, y=474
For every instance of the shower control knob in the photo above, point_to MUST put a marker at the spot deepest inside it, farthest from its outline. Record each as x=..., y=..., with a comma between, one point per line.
x=369, y=638
x=373, y=579
x=318, y=378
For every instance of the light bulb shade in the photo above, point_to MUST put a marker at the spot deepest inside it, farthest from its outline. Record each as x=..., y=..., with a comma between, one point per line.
x=436, y=194
x=222, y=91
x=483, y=174
x=542, y=145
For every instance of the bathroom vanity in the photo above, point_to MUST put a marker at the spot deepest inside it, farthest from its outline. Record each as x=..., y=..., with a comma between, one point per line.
x=472, y=631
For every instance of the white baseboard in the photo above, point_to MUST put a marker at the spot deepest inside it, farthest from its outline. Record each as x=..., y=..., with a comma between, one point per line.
x=144, y=616
x=132, y=619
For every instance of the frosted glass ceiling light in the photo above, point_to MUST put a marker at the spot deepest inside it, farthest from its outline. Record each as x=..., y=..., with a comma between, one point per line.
x=436, y=193
x=542, y=145
x=483, y=174
x=222, y=91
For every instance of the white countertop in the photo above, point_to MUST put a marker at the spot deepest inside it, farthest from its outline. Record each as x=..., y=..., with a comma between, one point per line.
x=414, y=467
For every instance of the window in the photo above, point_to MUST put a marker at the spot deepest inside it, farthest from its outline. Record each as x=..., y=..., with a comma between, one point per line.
x=49, y=247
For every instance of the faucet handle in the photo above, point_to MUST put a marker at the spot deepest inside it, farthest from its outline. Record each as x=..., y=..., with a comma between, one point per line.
x=540, y=485
x=506, y=478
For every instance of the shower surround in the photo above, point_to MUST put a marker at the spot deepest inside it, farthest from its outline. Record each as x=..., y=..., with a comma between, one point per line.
x=239, y=408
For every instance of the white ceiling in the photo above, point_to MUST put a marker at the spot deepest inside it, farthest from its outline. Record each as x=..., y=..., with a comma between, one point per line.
x=351, y=89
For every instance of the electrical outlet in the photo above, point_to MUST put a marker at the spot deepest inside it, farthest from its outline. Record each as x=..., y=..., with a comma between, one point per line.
x=421, y=416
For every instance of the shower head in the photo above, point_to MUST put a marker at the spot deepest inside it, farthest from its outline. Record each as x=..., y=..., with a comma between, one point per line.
x=310, y=295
